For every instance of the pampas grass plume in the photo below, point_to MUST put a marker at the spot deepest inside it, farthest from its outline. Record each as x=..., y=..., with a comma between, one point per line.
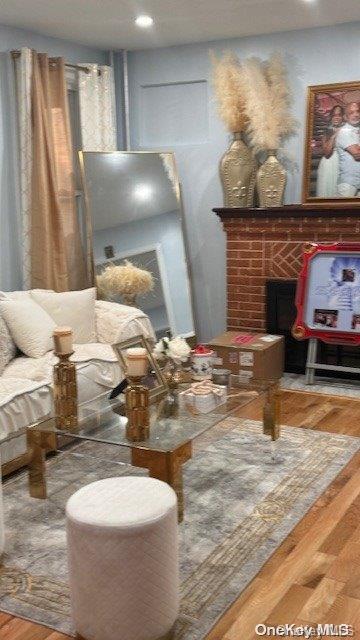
x=261, y=129
x=281, y=100
x=126, y=278
x=231, y=102
x=268, y=102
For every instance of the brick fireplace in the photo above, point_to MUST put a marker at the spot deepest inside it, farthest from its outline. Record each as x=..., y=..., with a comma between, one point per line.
x=265, y=244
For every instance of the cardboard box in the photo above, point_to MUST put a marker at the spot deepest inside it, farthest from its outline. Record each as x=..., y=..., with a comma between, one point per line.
x=253, y=356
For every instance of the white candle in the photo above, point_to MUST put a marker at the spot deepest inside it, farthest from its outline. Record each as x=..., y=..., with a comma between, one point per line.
x=137, y=363
x=63, y=340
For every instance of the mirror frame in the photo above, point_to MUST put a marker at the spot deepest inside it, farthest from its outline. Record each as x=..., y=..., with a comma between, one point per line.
x=90, y=262
x=162, y=389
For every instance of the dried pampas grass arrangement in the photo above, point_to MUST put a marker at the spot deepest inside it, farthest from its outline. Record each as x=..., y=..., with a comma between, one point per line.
x=227, y=73
x=268, y=102
x=281, y=99
x=124, y=279
x=254, y=97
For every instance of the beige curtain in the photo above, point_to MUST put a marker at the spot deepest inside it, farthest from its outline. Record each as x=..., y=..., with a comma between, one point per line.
x=57, y=260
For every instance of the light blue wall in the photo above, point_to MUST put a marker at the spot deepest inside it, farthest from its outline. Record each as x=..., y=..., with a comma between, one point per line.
x=170, y=90
x=10, y=264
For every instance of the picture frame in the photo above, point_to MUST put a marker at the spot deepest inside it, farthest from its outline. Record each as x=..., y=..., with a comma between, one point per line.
x=328, y=294
x=155, y=381
x=331, y=173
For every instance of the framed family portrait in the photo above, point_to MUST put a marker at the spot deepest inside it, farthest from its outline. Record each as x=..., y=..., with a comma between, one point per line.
x=328, y=294
x=332, y=145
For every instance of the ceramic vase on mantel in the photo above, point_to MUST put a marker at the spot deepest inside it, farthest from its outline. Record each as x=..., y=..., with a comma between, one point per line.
x=270, y=182
x=238, y=174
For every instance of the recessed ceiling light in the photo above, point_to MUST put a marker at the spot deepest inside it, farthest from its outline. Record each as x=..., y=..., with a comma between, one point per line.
x=144, y=21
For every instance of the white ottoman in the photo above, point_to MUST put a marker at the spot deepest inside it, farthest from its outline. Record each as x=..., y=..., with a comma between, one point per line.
x=123, y=559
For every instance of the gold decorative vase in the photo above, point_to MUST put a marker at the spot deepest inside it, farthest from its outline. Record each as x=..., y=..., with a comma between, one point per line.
x=65, y=392
x=270, y=182
x=238, y=174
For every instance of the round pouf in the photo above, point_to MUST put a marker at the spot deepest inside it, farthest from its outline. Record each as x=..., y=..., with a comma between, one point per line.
x=123, y=559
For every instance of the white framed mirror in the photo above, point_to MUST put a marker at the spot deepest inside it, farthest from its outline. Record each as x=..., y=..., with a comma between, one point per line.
x=134, y=212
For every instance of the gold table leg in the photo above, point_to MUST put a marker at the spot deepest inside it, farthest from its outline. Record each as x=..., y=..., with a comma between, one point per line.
x=38, y=443
x=166, y=466
x=271, y=412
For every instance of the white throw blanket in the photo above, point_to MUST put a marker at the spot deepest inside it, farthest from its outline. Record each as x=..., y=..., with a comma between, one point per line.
x=114, y=323
x=41, y=369
x=117, y=322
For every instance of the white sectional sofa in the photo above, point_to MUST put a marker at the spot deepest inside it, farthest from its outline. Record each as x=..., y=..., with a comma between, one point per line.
x=26, y=382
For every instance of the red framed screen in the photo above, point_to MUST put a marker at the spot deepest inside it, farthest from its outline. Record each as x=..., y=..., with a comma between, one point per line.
x=328, y=293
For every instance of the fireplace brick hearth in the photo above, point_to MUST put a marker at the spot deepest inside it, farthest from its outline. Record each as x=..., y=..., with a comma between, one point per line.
x=264, y=244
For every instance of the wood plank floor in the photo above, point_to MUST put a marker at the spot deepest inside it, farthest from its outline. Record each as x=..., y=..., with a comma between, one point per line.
x=314, y=576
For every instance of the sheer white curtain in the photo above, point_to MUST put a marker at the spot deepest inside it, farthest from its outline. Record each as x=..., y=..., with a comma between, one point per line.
x=97, y=108
x=23, y=75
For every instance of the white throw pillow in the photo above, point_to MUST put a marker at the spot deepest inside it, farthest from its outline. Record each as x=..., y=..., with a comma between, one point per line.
x=30, y=326
x=14, y=295
x=7, y=346
x=75, y=309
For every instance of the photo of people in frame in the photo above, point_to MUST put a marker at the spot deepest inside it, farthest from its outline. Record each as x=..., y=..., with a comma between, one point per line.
x=355, y=322
x=326, y=318
x=348, y=275
x=332, y=153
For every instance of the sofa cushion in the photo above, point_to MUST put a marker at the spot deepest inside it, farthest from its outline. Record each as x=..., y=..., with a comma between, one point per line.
x=75, y=309
x=7, y=346
x=14, y=295
x=30, y=326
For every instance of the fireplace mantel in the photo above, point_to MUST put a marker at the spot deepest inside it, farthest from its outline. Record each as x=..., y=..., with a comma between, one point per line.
x=265, y=244
x=291, y=211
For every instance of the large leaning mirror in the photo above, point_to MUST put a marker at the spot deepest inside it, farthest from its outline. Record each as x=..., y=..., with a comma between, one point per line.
x=135, y=214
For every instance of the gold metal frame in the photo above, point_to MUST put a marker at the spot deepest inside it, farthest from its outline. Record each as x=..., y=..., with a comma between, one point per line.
x=89, y=229
x=311, y=92
x=160, y=391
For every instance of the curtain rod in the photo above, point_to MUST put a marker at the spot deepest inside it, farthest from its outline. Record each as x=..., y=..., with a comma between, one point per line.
x=16, y=53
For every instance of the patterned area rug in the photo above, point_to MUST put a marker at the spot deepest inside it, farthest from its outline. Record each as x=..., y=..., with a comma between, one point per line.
x=328, y=386
x=240, y=505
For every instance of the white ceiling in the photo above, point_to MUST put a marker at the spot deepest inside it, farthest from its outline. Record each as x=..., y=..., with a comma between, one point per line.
x=110, y=24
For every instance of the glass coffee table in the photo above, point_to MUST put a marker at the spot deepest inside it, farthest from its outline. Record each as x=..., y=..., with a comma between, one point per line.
x=173, y=428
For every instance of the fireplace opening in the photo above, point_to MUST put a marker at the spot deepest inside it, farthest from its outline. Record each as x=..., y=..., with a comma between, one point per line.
x=280, y=316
